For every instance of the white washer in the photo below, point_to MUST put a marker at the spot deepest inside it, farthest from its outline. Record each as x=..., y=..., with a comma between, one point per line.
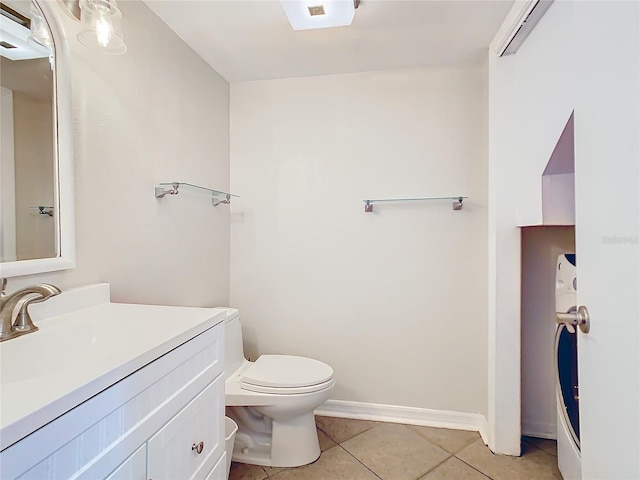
x=566, y=361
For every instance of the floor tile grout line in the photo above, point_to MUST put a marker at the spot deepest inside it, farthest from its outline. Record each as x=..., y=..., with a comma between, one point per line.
x=328, y=436
x=529, y=446
x=451, y=455
x=429, y=441
x=336, y=444
x=359, y=461
x=346, y=439
x=268, y=474
x=475, y=468
x=538, y=448
x=545, y=452
x=471, y=443
x=458, y=450
x=275, y=475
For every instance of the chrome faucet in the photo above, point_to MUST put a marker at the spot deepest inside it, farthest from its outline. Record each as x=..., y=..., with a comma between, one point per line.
x=8, y=303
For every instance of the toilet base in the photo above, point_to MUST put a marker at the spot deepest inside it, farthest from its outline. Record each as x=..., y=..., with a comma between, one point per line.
x=261, y=440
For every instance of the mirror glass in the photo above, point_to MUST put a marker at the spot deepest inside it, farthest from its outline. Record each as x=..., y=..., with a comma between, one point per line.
x=30, y=136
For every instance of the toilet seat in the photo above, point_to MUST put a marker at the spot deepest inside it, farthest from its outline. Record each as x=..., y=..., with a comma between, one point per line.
x=286, y=374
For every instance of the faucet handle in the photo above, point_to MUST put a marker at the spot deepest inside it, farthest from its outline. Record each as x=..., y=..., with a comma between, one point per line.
x=23, y=322
x=3, y=285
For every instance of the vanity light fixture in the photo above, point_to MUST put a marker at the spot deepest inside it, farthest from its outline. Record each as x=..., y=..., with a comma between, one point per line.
x=39, y=31
x=102, y=26
x=311, y=14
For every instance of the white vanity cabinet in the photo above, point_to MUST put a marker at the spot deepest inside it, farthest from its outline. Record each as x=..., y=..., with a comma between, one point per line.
x=191, y=444
x=163, y=421
x=133, y=468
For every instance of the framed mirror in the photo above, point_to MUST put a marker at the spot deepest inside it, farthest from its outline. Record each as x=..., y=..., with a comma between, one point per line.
x=36, y=155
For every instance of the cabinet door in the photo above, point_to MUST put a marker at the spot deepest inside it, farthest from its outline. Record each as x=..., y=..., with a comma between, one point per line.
x=133, y=468
x=219, y=472
x=192, y=442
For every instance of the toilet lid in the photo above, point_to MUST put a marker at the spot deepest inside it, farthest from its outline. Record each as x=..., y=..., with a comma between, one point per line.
x=287, y=371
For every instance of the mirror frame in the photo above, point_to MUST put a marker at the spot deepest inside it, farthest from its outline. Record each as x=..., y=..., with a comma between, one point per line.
x=63, y=178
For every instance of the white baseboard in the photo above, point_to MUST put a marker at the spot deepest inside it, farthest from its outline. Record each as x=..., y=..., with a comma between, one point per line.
x=407, y=415
x=540, y=430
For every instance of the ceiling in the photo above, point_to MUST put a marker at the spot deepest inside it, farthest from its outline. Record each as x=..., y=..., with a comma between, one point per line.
x=247, y=40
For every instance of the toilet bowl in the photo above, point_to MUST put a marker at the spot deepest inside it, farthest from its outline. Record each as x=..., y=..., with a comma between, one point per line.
x=272, y=401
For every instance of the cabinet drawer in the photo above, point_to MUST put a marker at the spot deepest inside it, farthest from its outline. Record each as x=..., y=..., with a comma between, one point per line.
x=172, y=452
x=133, y=468
x=219, y=472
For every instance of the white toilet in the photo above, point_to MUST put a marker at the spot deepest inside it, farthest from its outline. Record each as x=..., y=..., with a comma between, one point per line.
x=272, y=400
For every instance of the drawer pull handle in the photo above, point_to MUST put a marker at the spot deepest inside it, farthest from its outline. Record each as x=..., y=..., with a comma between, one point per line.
x=198, y=447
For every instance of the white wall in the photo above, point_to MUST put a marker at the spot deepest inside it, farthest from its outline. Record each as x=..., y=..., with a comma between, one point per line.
x=158, y=113
x=530, y=101
x=541, y=104
x=395, y=301
x=540, y=249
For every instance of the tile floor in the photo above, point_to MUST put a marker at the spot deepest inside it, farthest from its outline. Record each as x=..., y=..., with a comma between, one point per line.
x=364, y=450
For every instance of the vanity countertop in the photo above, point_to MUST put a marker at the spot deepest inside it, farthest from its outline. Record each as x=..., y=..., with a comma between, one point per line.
x=85, y=344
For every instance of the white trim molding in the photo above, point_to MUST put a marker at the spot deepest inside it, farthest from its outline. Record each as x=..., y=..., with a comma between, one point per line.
x=539, y=430
x=520, y=21
x=407, y=415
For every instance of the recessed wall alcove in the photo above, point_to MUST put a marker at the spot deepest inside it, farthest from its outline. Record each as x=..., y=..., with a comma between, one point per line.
x=558, y=182
x=541, y=246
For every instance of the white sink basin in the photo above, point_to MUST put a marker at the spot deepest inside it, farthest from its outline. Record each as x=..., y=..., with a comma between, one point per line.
x=49, y=353
x=85, y=344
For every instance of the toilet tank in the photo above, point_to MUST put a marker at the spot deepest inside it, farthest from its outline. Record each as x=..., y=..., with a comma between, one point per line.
x=233, y=349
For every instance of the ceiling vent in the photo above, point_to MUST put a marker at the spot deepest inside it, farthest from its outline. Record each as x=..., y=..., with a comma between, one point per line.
x=520, y=21
x=311, y=14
